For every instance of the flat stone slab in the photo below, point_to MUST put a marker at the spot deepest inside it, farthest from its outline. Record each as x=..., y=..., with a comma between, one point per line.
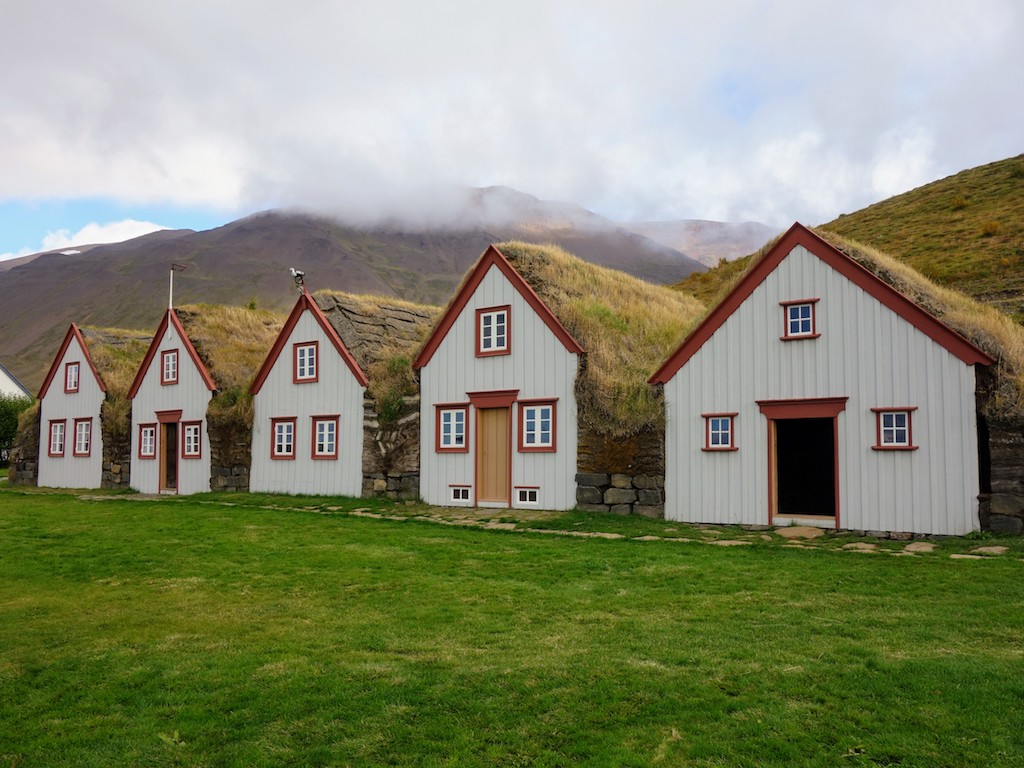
x=729, y=543
x=967, y=557
x=647, y=538
x=990, y=550
x=861, y=546
x=920, y=546
x=500, y=526
x=800, y=532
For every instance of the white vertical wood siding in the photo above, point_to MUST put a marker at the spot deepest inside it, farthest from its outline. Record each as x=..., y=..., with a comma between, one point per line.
x=539, y=366
x=865, y=352
x=70, y=471
x=191, y=396
x=336, y=392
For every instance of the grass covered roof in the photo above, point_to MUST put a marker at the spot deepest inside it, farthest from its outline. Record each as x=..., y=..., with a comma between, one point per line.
x=626, y=326
x=985, y=326
x=117, y=354
x=232, y=342
x=383, y=334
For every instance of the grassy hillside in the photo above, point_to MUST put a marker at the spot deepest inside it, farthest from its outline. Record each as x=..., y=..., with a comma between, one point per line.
x=964, y=232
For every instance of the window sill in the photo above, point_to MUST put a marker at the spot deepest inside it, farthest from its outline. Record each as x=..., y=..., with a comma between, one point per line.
x=719, y=450
x=894, y=447
x=801, y=337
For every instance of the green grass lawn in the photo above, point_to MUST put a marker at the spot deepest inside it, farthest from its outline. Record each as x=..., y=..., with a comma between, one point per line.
x=192, y=633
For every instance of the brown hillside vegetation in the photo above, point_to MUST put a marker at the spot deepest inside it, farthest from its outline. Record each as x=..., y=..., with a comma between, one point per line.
x=627, y=328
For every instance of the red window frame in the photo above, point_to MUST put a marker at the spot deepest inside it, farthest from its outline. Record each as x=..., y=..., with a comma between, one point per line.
x=438, y=411
x=538, y=403
x=74, y=445
x=166, y=380
x=731, y=416
x=185, y=426
x=77, y=368
x=296, y=379
x=63, y=439
x=274, y=455
x=142, y=430
x=480, y=313
x=332, y=419
x=879, y=414
x=786, y=335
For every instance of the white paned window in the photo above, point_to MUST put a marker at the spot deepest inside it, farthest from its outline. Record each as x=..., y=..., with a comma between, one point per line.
x=538, y=427
x=800, y=320
x=305, y=362
x=71, y=377
x=191, y=447
x=895, y=429
x=719, y=432
x=526, y=495
x=325, y=437
x=460, y=493
x=169, y=367
x=452, y=431
x=83, y=437
x=57, y=438
x=492, y=333
x=283, y=446
x=147, y=441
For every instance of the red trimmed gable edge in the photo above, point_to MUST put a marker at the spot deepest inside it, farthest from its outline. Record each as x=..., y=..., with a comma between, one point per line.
x=304, y=303
x=171, y=317
x=73, y=333
x=493, y=257
x=798, y=234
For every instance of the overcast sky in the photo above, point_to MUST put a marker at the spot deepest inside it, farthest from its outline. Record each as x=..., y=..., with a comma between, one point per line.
x=121, y=116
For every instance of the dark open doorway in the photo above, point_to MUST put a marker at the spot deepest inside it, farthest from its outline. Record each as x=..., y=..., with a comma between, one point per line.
x=805, y=467
x=169, y=457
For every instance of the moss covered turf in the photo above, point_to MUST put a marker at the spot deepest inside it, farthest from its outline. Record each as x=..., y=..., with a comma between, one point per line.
x=259, y=631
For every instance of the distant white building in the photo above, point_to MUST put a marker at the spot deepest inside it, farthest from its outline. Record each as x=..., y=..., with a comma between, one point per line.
x=307, y=433
x=815, y=393
x=10, y=385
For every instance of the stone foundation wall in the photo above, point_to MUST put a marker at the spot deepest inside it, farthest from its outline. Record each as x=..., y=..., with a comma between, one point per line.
x=622, y=475
x=117, y=453
x=621, y=494
x=24, y=459
x=1002, y=506
x=230, y=457
x=391, y=452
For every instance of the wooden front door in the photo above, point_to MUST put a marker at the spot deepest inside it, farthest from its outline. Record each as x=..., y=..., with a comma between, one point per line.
x=494, y=455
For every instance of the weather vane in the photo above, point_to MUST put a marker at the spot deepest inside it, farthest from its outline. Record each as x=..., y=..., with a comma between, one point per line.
x=297, y=276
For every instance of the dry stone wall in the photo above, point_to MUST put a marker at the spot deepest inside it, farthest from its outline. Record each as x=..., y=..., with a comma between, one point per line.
x=1002, y=505
x=622, y=475
x=391, y=452
x=24, y=460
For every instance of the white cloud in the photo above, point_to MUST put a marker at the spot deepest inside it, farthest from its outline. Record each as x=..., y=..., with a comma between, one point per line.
x=655, y=109
x=90, y=234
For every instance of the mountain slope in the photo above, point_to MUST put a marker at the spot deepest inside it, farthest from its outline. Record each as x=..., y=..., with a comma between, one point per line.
x=125, y=284
x=707, y=241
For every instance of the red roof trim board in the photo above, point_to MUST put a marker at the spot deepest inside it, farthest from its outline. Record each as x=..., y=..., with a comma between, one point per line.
x=170, y=317
x=73, y=333
x=493, y=257
x=304, y=303
x=799, y=235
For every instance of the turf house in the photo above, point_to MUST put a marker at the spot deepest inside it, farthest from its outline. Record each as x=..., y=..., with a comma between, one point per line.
x=816, y=393
x=191, y=415
x=83, y=436
x=308, y=410
x=532, y=385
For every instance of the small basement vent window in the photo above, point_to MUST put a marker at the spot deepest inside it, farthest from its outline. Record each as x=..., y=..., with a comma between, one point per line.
x=460, y=493
x=526, y=495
